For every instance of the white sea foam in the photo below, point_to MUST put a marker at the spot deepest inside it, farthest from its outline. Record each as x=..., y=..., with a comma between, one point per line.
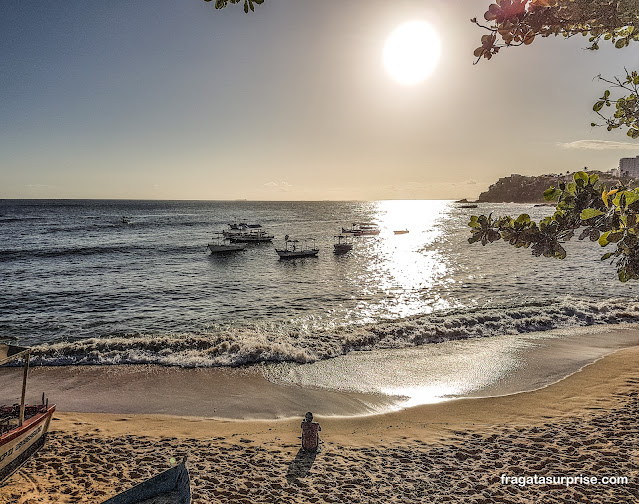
x=236, y=346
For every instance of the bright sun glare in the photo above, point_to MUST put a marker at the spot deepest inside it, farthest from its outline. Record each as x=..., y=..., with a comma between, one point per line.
x=411, y=52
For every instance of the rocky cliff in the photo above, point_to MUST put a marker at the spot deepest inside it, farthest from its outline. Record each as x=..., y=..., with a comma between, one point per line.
x=523, y=189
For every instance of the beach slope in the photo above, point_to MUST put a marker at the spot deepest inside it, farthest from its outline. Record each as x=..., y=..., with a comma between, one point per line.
x=460, y=451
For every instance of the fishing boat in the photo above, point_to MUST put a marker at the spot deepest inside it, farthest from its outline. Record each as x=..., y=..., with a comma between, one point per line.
x=221, y=244
x=247, y=233
x=401, y=231
x=172, y=486
x=23, y=428
x=297, y=248
x=251, y=237
x=343, y=244
x=362, y=229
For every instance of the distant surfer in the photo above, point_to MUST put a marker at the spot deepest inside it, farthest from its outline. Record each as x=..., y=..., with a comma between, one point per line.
x=310, y=433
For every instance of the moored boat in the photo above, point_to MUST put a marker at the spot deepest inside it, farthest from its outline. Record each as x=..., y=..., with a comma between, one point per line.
x=221, y=244
x=172, y=486
x=247, y=233
x=297, y=248
x=343, y=244
x=23, y=428
x=401, y=231
x=362, y=229
x=251, y=237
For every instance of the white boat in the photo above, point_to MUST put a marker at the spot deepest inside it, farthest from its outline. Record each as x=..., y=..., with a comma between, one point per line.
x=297, y=248
x=362, y=229
x=343, y=244
x=247, y=233
x=221, y=244
x=23, y=428
x=251, y=237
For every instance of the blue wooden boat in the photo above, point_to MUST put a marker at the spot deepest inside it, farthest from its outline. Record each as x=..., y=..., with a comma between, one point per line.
x=172, y=486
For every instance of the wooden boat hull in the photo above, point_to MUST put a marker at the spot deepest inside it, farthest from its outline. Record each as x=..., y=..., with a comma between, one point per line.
x=291, y=254
x=250, y=239
x=403, y=231
x=172, y=486
x=342, y=248
x=221, y=249
x=18, y=444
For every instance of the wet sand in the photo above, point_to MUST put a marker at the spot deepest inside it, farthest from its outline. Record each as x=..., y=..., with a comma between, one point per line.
x=359, y=383
x=456, y=451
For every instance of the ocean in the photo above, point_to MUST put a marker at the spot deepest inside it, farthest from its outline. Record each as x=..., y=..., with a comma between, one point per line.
x=86, y=288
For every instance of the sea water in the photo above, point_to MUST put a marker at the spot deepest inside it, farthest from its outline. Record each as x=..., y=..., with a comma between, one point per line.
x=85, y=286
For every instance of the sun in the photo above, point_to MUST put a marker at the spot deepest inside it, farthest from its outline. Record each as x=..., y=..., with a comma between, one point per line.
x=411, y=52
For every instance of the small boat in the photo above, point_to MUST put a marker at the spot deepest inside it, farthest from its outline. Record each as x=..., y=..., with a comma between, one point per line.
x=401, y=231
x=23, y=428
x=247, y=233
x=251, y=237
x=125, y=220
x=297, y=248
x=343, y=244
x=221, y=244
x=468, y=206
x=362, y=229
x=172, y=486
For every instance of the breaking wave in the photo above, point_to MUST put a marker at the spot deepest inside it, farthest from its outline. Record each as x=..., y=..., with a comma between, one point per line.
x=238, y=346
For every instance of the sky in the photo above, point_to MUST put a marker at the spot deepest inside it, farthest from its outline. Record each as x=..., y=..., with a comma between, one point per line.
x=158, y=99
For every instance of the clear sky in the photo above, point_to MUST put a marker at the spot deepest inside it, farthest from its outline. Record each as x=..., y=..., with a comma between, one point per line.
x=163, y=99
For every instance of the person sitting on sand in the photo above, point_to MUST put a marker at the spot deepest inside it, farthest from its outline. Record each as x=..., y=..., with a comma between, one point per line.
x=310, y=433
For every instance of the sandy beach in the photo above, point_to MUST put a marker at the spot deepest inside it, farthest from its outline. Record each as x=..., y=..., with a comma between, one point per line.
x=457, y=451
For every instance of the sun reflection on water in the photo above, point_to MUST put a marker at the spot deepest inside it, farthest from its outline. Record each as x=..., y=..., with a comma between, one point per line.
x=407, y=267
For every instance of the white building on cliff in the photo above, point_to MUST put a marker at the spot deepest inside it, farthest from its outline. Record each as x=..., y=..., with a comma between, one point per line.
x=629, y=167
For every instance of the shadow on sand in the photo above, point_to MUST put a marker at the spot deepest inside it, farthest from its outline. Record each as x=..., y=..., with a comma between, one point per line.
x=301, y=465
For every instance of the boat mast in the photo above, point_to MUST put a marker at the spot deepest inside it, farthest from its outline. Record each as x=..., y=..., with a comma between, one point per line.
x=24, y=387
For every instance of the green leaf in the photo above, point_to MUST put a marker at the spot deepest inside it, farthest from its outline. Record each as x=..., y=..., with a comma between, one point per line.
x=617, y=200
x=598, y=106
x=593, y=179
x=551, y=193
x=523, y=219
x=589, y=213
x=580, y=175
x=631, y=197
x=473, y=222
x=607, y=256
x=603, y=239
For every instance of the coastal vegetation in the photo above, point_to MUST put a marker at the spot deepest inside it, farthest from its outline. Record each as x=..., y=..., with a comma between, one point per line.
x=512, y=23
x=606, y=212
x=607, y=216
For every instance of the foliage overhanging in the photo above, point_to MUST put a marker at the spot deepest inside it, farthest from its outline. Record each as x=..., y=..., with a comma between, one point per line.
x=609, y=217
x=518, y=22
x=248, y=4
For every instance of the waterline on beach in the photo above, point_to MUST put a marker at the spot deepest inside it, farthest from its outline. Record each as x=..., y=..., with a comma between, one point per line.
x=478, y=367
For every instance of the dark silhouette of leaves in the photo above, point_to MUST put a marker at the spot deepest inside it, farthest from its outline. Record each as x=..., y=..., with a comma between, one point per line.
x=609, y=217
